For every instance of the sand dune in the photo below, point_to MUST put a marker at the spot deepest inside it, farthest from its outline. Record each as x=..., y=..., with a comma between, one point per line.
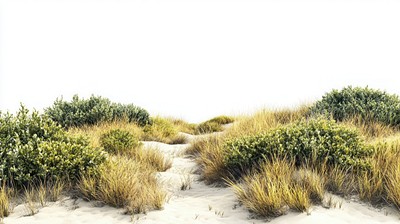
x=199, y=203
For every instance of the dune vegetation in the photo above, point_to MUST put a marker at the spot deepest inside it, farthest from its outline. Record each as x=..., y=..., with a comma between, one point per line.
x=347, y=143
x=90, y=148
x=288, y=159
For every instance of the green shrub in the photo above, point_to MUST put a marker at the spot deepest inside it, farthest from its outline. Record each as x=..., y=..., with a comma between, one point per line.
x=367, y=103
x=315, y=141
x=118, y=141
x=132, y=113
x=91, y=111
x=33, y=147
x=208, y=127
x=222, y=119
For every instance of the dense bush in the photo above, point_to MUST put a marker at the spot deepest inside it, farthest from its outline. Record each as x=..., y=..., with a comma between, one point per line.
x=33, y=147
x=96, y=109
x=314, y=141
x=130, y=112
x=367, y=103
x=118, y=141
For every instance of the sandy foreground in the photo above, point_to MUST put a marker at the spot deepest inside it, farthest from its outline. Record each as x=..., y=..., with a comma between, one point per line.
x=199, y=203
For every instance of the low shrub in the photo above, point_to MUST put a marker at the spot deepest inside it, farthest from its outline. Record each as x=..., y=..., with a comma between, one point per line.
x=94, y=110
x=315, y=141
x=369, y=104
x=118, y=141
x=33, y=147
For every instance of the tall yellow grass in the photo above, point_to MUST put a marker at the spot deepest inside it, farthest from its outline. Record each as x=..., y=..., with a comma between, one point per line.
x=271, y=191
x=4, y=202
x=123, y=182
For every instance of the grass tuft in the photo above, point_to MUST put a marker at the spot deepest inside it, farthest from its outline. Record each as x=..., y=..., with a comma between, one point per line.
x=271, y=190
x=4, y=202
x=123, y=182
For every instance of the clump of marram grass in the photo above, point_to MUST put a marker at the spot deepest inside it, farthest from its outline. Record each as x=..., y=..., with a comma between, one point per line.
x=370, y=129
x=271, y=191
x=381, y=183
x=4, y=202
x=223, y=119
x=208, y=127
x=152, y=157
x=161, y=130
x=213, y=125
x=123, y=182
x=182, y=126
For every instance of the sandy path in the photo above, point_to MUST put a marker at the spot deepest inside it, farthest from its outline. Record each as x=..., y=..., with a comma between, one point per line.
x=199, y=204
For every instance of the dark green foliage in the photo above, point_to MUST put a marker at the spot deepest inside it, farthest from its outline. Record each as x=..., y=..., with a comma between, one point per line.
x=33, y=147
x=132, y=113
x=118, y=141
x=367, y=103
x=222, y=120
x=91, y=111
x=315, y=141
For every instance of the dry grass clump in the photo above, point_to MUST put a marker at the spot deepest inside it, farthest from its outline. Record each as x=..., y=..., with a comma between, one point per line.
x=182, y=126
x=265, y=120
x=151, y=157
x=382, y=182
x=223, y=119
x=209, y=154
x=213, y=125
x=208, y=127
x=123, y=182
x=369, y=128
x=162, y=130
x=272, y=190
x=4, y=202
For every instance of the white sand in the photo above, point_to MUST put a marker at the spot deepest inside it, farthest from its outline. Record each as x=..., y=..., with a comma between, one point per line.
x=199, y=204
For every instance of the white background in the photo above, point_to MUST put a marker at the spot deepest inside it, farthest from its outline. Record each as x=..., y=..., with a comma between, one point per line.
x=195, y=59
